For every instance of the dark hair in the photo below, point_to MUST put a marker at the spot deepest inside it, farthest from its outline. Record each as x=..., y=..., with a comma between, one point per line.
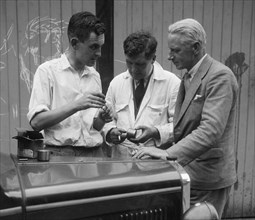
x=82, y=24
x=139, y=42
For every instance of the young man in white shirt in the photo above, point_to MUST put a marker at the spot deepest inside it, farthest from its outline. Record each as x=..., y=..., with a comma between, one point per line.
x=67, y=101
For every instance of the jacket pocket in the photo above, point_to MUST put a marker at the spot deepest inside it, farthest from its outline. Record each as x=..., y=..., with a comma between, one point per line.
x=120, y=107
x=214, y=153
x=122, y=115
x=198, y=98
x=157, y=114
x=157, y=107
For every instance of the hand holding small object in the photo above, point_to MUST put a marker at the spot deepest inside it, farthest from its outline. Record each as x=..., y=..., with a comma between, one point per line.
x=106, y=114
x=144, y=133
x=116, y=135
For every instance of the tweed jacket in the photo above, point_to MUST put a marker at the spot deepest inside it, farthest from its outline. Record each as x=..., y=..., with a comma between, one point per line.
x=204, y=124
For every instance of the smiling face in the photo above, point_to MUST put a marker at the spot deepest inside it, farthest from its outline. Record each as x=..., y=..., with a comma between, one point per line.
x=89, y=51
x=181, y=52
x=139, y=67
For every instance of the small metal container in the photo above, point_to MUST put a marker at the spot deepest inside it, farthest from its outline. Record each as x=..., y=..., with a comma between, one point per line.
x=43, y=155
x=131, y=133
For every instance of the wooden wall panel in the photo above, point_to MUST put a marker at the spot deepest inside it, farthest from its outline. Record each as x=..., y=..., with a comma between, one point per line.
x=157, y=26
x=168, y=8
x=6, y=37
x=230, y=35
x=147, y=15
x=198, y=10
x=208, y=24
x=136, y=19
x=251, y=85
x=12, y=70
x=66, y=12
x=120, y=32
x=247, y=100
x=188, y=9
x=226, y=31
x=25, y=77
x=217, y=29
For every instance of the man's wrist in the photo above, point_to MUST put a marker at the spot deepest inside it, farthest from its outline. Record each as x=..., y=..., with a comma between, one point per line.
x=155, y=133
x=108, y=136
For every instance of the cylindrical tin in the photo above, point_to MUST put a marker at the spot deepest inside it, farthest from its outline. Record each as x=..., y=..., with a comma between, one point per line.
x=43, y=155
x=131, y=133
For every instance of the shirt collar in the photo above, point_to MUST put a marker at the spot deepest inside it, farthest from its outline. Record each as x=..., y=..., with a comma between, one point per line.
x=156, y=75
x=194, y=69
x=146, y=79
x=66, y=64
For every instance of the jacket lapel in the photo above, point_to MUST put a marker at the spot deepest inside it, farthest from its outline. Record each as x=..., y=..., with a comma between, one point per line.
x=195, y=83
x=127, y=95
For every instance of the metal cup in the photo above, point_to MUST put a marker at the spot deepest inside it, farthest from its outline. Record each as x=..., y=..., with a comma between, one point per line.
x=131, y=133
x=43, y=155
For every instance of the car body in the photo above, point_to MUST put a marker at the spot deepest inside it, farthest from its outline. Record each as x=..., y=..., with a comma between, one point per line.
x=92, y=188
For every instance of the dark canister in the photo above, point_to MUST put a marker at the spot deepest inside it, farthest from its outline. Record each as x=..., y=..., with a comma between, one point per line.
x=43, y=155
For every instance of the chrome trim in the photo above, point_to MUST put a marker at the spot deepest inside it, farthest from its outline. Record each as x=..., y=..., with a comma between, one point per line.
x=102, y=198
x=185, y=184
x=10, y=211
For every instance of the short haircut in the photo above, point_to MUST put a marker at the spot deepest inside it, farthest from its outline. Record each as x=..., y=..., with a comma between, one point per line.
x=139, y=42
x=82, y=24
x=191, y=29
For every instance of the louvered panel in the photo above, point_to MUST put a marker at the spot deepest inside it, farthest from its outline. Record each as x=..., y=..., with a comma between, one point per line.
x=152, y=214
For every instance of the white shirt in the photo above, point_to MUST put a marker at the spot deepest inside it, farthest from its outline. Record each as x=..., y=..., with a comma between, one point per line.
x=194, y=69
x=56, y=83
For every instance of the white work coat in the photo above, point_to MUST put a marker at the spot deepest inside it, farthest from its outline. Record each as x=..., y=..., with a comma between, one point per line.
x=156, y=109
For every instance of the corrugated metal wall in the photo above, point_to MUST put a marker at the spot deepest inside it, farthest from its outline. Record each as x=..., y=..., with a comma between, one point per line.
x=230, y=26
x=33, y=31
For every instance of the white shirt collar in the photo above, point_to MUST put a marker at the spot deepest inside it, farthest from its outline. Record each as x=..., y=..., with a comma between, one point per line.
x=194, y=69
x=66, y=64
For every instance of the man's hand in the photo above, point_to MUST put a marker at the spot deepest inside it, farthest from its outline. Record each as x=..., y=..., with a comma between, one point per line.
x=90, y=100
x=105, y=113
x=144, y=152
x=116, y=135
x=146, y=134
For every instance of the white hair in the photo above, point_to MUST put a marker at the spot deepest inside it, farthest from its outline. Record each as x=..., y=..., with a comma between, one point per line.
x=191, y=29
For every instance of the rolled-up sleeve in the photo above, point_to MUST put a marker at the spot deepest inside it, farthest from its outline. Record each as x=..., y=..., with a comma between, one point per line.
x=41, y=93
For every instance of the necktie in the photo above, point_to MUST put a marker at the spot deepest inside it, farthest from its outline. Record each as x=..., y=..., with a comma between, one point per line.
x=186, y=79
x=139, y=93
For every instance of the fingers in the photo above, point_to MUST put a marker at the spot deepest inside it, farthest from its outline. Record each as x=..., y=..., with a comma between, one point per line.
x=140, y=127
x=107, y=120
x=96, y=104
x=140, y=137
x=95, y=100
x=98, y=94
x=144, y=152
x=122, y=130
x=116, y=136
x=139, y=154
x=134, y=140
x=106, y=114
